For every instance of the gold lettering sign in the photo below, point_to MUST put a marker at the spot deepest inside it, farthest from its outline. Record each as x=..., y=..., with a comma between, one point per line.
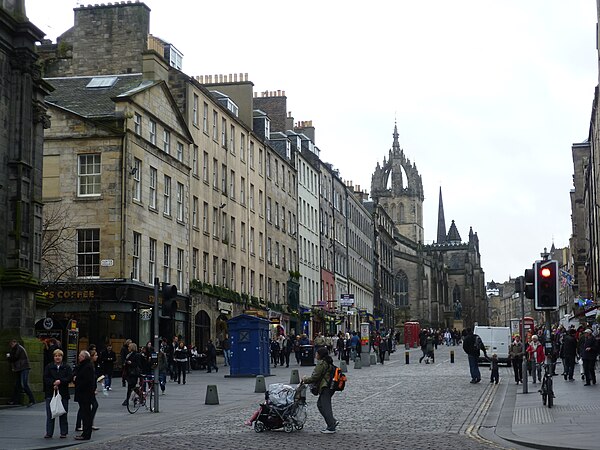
x=70, y=295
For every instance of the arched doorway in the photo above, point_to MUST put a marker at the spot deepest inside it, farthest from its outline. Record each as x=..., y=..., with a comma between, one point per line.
x=202, y=328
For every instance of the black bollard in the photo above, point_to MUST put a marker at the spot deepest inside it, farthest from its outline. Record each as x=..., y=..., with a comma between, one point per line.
x=406, y=356
x=451, y=356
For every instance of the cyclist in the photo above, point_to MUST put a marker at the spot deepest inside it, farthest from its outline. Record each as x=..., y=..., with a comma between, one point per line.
x=133, y=370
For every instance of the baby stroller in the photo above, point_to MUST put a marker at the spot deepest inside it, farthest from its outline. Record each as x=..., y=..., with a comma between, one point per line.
x=284, y=407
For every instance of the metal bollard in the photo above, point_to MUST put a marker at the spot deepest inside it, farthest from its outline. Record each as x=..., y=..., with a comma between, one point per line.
x=406, y=357
x=451, y=356
x=260, y=384
x=212, y=396
x=357, y=363
x=294, y=377
x=373, y=360
x=343, y=366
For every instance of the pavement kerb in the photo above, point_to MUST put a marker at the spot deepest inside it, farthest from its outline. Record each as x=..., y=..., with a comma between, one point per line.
x=505, y=421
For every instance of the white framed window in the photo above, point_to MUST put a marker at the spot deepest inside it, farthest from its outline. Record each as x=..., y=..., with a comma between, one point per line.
x=167, y=196
x=277, y=254
x=180, y=260
x=215, y=133
x=205, y=167
x=251, y=197
x=195, y=110
x=224, y=178
x=195, y=161
x=252, y=240
x=151, y=260
x=152, y=131
x=88, y=175
x=195, y=205
x=205, y=217
x=260, y=245
x=232, y=184
x=216, y=270
x=232, y=139
x=152, y=188
x=195, y=254
x=215, y=223
x=205, y=118
x=224, y=272
x=242, y=279
x=180, y=202
x=252, y=285
x=179, y=151
x=205, y=267
x=166, y=263
x=232, y=276
x=223, y=132
x=260, y=161
x=223, y=226
x=137, y=124
x=243, y=236
x=242, y=147
x=260, y=202
x=167, y=142
x=215, y=174
x=276, y=214
x=137, y=250
x=242, y=190
x=251, y=156
x=137, y=179
x=232, y=231
x=88, y=252
x=269, y=166
x=269, y=250
x=269, y=209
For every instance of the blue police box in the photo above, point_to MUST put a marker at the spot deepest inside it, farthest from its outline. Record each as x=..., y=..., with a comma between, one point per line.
x=249, y=337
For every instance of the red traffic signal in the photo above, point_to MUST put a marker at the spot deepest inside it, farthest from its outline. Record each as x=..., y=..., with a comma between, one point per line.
x=546, y=285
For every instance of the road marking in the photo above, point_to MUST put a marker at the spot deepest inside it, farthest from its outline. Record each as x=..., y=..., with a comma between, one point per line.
x=380, y=392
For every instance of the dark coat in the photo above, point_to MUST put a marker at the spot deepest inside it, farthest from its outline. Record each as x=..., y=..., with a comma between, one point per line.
x=107, y=361
x=85, y=382
x=588, y=348
x=569, y=346
x=51, y=374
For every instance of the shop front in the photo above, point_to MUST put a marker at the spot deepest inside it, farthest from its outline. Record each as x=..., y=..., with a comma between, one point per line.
x=110, y=312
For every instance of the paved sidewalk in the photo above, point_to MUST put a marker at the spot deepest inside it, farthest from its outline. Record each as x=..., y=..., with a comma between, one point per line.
x=570, y=424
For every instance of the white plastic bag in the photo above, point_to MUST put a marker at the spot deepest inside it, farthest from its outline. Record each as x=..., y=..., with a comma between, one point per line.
x=56, y=407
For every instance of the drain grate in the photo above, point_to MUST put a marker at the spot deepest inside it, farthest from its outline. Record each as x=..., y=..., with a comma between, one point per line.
x=526, y=416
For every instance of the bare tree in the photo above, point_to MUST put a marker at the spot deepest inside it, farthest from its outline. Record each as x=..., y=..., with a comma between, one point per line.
x=59, y=241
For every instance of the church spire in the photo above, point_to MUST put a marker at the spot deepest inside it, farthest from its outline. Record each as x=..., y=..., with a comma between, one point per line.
x=396, y=145
x=441, y=231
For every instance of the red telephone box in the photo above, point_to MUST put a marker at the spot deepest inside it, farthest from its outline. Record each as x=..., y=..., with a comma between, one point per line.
x=411, y=334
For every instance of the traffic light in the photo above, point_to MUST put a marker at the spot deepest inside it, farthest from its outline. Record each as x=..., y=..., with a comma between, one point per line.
x=546, y=285
x=169, y=305
x=529, y=282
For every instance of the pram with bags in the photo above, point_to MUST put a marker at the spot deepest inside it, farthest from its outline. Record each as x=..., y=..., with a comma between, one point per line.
x=284, y=407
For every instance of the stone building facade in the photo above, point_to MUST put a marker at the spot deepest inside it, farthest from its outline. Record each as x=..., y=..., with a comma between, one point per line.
x=24, y=118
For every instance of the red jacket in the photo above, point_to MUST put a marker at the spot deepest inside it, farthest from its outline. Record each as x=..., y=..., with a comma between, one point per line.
x=539, y=353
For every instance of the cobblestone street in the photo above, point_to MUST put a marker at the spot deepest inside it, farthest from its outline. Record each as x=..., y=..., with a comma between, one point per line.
x=396, y=405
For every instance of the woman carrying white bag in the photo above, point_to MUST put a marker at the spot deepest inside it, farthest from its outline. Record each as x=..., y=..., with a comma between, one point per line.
x=57, y=376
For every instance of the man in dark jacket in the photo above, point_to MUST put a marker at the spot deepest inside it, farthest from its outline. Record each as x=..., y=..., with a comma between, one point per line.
x=588, y=355
x=85, y=390
x=124, y=352
x=57, y=376
x=211, y=356
x=569, y=353
x=472, y=345
x=107, y=364
x=20, y=366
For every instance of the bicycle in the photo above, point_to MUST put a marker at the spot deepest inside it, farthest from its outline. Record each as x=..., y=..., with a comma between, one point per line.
x=142, y=395
x=546, y=388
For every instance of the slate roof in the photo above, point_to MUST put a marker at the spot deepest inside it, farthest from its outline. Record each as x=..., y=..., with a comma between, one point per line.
x=71, y=94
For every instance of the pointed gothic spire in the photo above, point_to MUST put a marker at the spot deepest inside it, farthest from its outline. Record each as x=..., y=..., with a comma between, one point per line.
x=453, y=235
x=396, y=145
x=441, y=231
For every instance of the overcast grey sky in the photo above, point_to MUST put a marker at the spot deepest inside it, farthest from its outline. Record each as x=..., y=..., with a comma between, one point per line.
x=488, y=96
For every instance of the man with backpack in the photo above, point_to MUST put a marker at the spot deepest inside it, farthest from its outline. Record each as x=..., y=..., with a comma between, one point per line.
x=472, y=345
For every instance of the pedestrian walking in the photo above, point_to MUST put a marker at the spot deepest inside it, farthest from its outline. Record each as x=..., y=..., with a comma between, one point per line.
x=57, y=377
x=516, y=352
x=535, y=356
x=568, y=351
x=589, y=354
x=124, y=352
x=472, y=345
x=107, y=365
x=180, y=356
x=211, y=356
x=226, y=346
x=320, y=379
x=274, y=351
x=85, y=392
x=286, y=349
x=162, y=370
x=79, y=420
x=19, y=360
x=383, y=347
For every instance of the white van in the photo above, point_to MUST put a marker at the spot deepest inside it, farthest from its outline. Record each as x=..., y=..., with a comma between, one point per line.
x=496, y=340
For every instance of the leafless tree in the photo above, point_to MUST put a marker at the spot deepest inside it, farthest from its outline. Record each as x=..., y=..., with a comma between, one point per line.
x=59, y=241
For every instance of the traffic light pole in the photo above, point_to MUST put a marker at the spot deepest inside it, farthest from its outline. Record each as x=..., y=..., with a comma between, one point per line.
x=524, y=363
x=156, y=342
